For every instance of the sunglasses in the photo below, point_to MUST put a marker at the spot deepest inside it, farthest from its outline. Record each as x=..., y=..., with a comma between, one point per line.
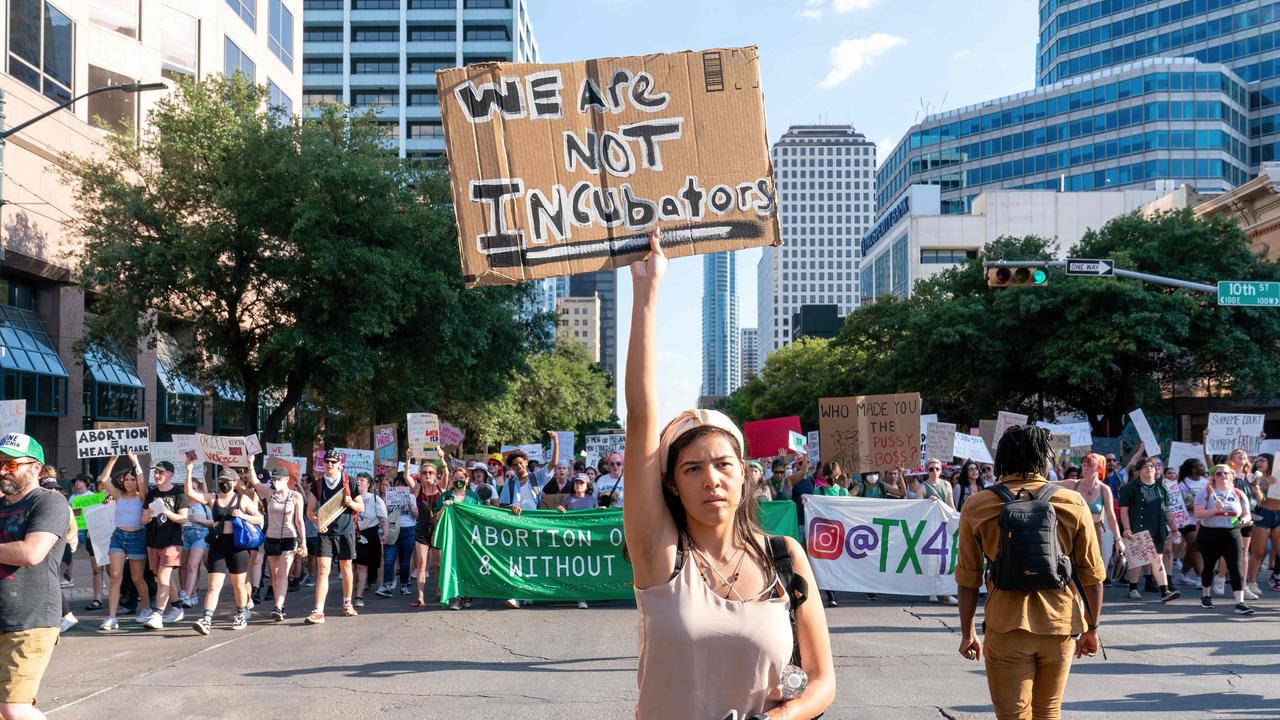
x=615, y=464
x=13, y=465
x=934, y=469
x=1220, y=473
x=330, y=462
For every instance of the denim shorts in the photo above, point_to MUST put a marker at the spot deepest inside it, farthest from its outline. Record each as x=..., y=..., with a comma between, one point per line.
x=130, y=543
x=193, y=538
x=1265, y=518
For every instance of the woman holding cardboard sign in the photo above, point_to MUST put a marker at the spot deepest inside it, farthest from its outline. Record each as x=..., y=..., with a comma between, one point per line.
x=1144, y=507
x=717, y=597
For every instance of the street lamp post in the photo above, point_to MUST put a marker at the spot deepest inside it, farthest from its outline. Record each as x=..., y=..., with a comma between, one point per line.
x=134, y=87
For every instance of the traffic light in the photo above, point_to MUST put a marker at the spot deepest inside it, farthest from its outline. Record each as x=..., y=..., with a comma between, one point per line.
x=1017, y=277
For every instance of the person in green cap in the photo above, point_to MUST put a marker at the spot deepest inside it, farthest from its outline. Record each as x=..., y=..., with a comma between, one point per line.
x=33, y=529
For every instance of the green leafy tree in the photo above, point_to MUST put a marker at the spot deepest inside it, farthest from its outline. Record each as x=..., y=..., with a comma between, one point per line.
x=295, y=252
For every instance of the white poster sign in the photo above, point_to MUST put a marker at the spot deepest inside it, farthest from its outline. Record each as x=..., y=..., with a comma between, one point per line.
x=901, y=547
x=252, y=444
x=1228, y=431
x=1177, y=505
x=1081, y=432
x=99, y=523
x=280, y=450
x=565, y=439
x=113, y=441
x=924, y=428
x=1004, y=421
x=940, y=441
x=1180, y=452
x=815, y=451
x=356, y=461
x=971, y=447
x=13, y=416
x=224, y=450
x=600, y=447
x=532, y=450
x=177, y=453
x=424, y=435
x=1271, y=447
x=1139, y=550
x=1149, y=442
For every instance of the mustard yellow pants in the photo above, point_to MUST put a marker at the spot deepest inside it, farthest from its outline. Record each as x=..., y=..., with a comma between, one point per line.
x=1026, y=673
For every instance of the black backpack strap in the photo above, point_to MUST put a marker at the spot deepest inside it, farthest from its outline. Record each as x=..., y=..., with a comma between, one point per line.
x=797, y=587
x=1003, y=492
x=680, y=555
x=1046, y=492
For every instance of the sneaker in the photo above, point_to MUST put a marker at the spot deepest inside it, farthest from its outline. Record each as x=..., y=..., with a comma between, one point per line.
x=1275, y=583
x=202, y=626
x=188, y=603
x=455, y=604
x=933, y=599
x=513, y=604
x=95, y=605
x=1242, y=609
x=182, y=598
x=315, y=618
x=466, y=603
x=309, y=582
x=1170, y=595
x=582, y=605
x=405, y=589
x=1135, y=595
x=1250, y=594
x=239, y=622
x=278, y=615
x=871, y=597
x=1189, y=581
x=67, y=584
x=155, y=622
x=1206, y=602
x=1253, y=588
x=358, y=602
x=349, y=610
x=68, y=621
x=143, y=616
x=174, y=614
x=109, y=624
x=383, y=591
x=1220, y=586
x=948, y=600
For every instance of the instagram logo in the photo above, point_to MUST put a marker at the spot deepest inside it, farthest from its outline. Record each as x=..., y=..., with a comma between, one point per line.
x=826, y=539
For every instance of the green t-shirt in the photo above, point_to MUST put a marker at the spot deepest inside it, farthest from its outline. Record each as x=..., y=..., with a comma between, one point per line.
x=834, y=490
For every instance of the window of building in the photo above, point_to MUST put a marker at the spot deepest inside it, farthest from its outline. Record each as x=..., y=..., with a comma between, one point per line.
x=428, y=65
x=41, y=47
x=419, y=98
x=313, y=99
x=322, y=34
x=432, y=34
x=247, y=11
x=423, y=130
x=30, y=368
x=321, y=5
x=116, y=111
x=375, y=98
x=277, y=98
x=433, y=4
x=375, y=34
x=179, y=45
x=235, y=60
x=322, y=67
x=120, y=16
x=181, y=401
x=488, y=4
x=375, y=66
x=375, y=4
x=112, y=388
x=486, y=32
x=280, y=32
x=942, y=257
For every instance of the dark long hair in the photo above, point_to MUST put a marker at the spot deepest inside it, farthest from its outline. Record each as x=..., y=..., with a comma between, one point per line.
x=746, y=523
x=1023, y=450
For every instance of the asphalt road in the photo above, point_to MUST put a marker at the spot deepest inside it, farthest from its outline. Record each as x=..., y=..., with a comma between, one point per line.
x=896, y=658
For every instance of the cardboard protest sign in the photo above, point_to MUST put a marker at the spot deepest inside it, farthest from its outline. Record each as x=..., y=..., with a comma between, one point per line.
x=1139, y=549
x=796, y=443
x=562, y=169
x=385, y=449
x=1059, y=442
x=252, y=444
x=1004, y=421
x=100, y=523
x=330, y=510
x=766, y=438
x=970, y=447
x=987, y=431
x=224, y=450
x=940, y=441
x=424, y=435
x=451, y=436
x=600, y=447
x=176, y=453
x=13, y=416
x=1178, y=505
x=814, y=445
x=1149, y=442
x=924, y=431
x=116, y=441
x=1228, y=431
x=869, y=433
x=1180, y=452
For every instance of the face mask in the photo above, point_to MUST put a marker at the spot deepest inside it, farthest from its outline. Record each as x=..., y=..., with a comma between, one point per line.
x=281, y=484
x=224, y=486
x=459, y=484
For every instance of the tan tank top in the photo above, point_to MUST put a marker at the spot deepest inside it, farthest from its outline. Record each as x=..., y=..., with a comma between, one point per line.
x=280, y=517
x=702, y=655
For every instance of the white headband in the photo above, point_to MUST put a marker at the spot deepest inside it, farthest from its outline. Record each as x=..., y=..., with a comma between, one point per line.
x=691, y=420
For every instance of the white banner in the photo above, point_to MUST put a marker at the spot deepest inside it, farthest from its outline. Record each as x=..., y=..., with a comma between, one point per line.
x=972, y=447
x=13, y=416
x=113, y=441
x=1228, y=431
x=900, y=547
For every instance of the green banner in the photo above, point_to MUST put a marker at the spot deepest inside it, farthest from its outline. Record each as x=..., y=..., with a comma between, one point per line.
x=80, y=503
x=548, y=555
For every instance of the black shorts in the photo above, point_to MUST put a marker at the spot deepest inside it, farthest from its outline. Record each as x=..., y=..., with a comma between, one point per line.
x=313, y=545
x=1187, y=530
x=276, y=548
x=338, y=547
x=1246, y=530
x=369, y=552
x=422, y=535
x=225, y=558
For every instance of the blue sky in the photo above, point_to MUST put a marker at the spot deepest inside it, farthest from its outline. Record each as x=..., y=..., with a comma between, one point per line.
x=877, y=64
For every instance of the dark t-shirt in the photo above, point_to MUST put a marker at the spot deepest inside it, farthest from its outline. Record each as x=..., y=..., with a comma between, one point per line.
x=343, y=524
x=1148, y=505
x=30, y=596
x=161, y=531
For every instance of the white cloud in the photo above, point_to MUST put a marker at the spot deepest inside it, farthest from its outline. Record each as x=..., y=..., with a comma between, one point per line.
x=852, y=55
x=962, y=55
x=884, y=146
x=811, y=14
x=844, y=6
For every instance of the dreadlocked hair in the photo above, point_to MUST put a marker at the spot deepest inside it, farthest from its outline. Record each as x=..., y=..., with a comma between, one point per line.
x=1023, y=450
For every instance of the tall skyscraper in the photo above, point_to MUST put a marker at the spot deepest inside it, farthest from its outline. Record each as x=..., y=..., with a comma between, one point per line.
x=604, y=285
x=720, y=338
x=1142, y=94
x=826, y=185
x=750, y=354
x=384, y=54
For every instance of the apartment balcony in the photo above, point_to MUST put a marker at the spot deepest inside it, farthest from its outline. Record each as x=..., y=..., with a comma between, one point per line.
x=375, y=80
x=422, y=112
x=431, y=47
x=322, y=49
x=435, y=17
x=374, y=17
x=321, y=17
x=489, y=48
x=321, y=81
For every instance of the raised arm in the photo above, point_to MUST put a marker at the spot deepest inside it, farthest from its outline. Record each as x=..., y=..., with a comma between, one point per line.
x=648, y=527
x=555, y=449
x=104, y=479
x=188, y=488
x=408, y=476
x=1139, y=451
